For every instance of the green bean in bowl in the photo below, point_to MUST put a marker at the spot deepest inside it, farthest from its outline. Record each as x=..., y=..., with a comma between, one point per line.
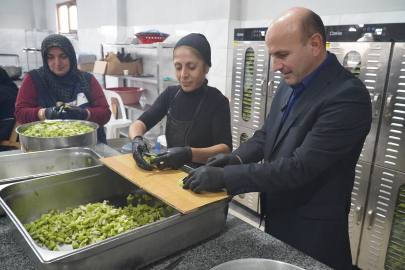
x=57, y=129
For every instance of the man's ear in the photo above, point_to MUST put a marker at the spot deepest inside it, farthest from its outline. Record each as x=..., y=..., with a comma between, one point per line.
x=316, y=44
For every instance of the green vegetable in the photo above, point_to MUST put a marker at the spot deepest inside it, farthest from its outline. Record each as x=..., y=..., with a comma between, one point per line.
x=57, y=129
x=180, y=182
x=148, y=158
x=92, y=223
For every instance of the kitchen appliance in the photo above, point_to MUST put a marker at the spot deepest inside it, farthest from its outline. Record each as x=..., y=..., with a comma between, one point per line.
x=257, y=264
x=31, y=144
x=376, y=54
x=253, y=87
x=25, y=201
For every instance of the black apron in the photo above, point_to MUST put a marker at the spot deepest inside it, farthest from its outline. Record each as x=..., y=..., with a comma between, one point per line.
x=178, y=132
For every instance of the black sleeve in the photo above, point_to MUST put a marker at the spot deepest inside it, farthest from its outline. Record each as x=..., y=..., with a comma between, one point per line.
x=221, y=124
x=158, y=110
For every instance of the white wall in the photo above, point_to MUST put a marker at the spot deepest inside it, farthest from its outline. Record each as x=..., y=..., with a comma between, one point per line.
x=16, y=16
x=269, y=9
x=175, y=11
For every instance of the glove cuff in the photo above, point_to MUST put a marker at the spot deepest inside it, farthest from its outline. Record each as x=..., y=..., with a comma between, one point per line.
x=235, y=160
x=190, y=154
x=136, y=138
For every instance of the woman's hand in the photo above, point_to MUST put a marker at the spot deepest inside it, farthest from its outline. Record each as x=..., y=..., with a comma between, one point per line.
x=53, y=113
x=174, y=158
x=77, y=113
x=139, y=147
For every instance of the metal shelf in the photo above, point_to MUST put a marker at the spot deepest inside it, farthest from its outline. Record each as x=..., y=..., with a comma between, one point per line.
x=141, y=106
x=143, y=46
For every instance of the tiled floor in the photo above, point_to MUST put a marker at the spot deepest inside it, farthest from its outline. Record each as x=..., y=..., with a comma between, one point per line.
x=242, y=212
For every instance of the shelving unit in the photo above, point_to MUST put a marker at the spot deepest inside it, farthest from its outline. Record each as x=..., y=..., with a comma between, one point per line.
x=33, y=41
x=159, y=48
x=157, y=83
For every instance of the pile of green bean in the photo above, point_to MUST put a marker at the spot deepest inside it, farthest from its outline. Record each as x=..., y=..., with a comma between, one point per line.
x=92, y=223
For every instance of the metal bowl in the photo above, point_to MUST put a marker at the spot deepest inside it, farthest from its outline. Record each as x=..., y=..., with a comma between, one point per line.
x=257, y=264
x=32, y=144
x=13, y=72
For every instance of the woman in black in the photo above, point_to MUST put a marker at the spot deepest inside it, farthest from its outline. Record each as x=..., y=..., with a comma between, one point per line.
x=8, y=95
x=198, y=116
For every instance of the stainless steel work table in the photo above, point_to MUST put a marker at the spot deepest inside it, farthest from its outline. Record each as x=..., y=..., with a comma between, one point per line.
x=238, y=240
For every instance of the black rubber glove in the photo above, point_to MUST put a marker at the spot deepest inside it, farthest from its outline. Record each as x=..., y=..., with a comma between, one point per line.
x=53, y=113
x=205, y=178
x=77, y=113
x=174, y=158
x=222, y=160
x=139, y=147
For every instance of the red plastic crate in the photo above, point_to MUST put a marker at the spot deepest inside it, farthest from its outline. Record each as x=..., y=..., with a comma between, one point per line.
x=129, y=95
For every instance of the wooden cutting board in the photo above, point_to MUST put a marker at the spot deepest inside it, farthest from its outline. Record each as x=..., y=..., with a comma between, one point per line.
x=162, y=184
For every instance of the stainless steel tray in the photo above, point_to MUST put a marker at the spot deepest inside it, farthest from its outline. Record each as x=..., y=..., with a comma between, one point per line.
x=37, y=164
x=26, y=201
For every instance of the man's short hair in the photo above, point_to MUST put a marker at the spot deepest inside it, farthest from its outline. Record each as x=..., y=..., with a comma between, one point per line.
x=312, y=24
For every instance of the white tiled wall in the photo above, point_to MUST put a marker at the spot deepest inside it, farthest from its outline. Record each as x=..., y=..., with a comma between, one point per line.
x=217, y=34
x=13, y=42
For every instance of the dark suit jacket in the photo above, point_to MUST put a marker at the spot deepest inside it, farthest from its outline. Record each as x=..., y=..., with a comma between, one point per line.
x=309, y=167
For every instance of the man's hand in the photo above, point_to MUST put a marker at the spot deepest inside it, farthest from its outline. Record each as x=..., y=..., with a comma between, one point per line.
x=222, y=160
x=139, y=147
x=205, y=178
x=174, y=158
x=53, y=113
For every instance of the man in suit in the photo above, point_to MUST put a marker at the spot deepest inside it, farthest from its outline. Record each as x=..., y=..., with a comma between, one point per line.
x=310, y=144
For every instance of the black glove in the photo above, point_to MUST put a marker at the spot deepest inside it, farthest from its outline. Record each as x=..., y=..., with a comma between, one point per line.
x=53, y=113
x=205, y=178
x=77, y=113
x=222, y=160
x=139, y=147
x=174, y=158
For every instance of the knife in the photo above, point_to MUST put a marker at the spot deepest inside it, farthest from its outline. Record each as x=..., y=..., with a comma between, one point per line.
x=174, y=263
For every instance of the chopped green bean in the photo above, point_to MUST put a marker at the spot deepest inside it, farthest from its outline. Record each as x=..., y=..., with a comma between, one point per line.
x=89, y=224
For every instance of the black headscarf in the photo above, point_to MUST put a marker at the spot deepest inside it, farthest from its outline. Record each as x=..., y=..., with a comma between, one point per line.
x=8, y=95
x=62, y=88
x=198, y=42
x=5, y=81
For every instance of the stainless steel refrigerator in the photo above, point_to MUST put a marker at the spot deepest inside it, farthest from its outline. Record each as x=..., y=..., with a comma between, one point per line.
x=253, y=87
x=377, y=214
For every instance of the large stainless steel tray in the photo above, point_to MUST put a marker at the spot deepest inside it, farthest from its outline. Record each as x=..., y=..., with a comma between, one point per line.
x=26, y=166
x=26, y=201
x=37, y=164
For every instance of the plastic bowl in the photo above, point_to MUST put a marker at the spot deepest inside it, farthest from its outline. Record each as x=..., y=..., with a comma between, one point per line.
x=129, y=95
x=151, y=37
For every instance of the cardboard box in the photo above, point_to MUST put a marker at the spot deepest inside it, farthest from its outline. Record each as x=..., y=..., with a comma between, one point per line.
x=113, y=68
x=89, y=67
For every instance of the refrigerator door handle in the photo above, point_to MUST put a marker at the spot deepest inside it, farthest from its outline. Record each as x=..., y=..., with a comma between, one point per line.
x=270, y=89
x=376, y=104
x=370, y=215
x=389, y=106
x=359, y=214
x=263, y=87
